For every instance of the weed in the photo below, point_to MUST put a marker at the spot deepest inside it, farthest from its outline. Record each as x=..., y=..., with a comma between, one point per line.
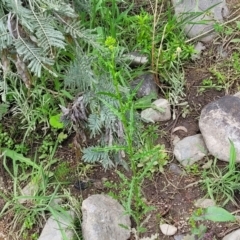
x=33, y=110
x=62, y=171
x=214, y=214
x=193, y=169
x=132, y=198
x=46, y=147
x=221, y=184
x=208, y=84
x=6, y=140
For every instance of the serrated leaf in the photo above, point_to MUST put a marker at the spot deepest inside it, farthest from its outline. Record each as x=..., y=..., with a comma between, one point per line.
x=218, y=214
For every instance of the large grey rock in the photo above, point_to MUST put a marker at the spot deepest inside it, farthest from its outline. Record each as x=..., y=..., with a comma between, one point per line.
x=220, y=122
x=190, y=150
x=102, y=219
x=59, y=227
x=147, y=85
x=235, y=235
x=212, y=11
x=160, y=111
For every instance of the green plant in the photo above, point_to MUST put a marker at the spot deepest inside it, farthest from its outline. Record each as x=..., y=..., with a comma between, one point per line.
x=137, y=32
x=107, y=17
x=30, y=208
x=209, y=84
x=125, y=112
x=6, y=140
x=169, y=47
x=33, y=31
x=62, y=171
x=193, y=169
x=221, y=184
x=47, y=146
x=214, y=214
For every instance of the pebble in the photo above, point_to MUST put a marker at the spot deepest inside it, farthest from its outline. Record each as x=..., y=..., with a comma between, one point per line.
x=168, y=229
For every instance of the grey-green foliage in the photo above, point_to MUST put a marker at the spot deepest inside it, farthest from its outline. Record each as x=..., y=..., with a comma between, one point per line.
x=33, y=30
x=102, y=123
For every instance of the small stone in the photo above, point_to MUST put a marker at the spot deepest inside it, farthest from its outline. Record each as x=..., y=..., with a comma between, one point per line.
x=147, y=85
x=104, y=218
x=190, y=150
x=235, y=235
x=28, y=191
x=174, y=168
x=237, y=94
x=162, y=112
x=55, y=201
x=199, y=47
x=179, y=237
x=168, y=229
x=204, y=203
x=58, y=226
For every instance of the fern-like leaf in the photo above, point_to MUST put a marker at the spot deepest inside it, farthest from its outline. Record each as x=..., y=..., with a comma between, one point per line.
x=5, y=38
x=34, y=55
x=94, y=155
x=80, y=74
x=61, y=7
x=95, y=124
x=75, y=29
x=47, y=36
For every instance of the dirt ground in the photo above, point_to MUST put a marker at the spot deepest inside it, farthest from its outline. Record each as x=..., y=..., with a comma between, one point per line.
x=166, y=191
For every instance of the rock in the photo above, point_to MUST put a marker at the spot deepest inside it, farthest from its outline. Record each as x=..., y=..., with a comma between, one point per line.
x=220, y=121
x=199, y=47
x=161, y=113
x=204, y=203
x=152, y=237
x=137, y=59
x=102, y=219
x=179, y=237
x=55, y=202
x=175, y=139
x=174, y=168
x=190, y=150
x=2, y=184
x=221, y=51
x=212, y=11
x=168, y=229
x=235, y=235
x=237, y=94
x=29, y=190
x=59, y=227
x=147, y=85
